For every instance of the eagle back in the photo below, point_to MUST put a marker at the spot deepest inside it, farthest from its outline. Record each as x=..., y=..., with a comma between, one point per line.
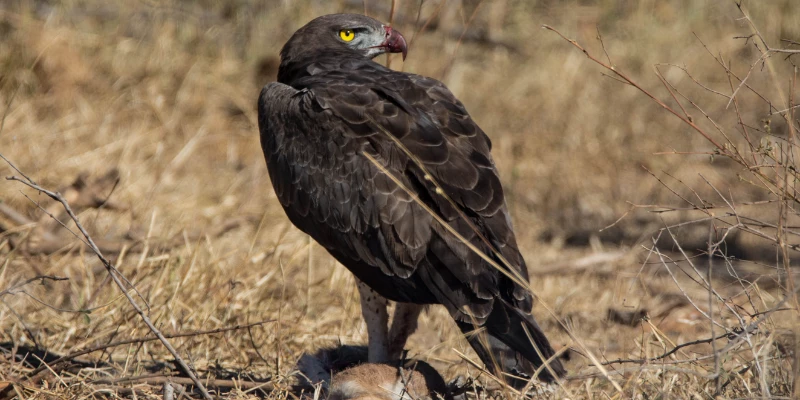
x=317, y=129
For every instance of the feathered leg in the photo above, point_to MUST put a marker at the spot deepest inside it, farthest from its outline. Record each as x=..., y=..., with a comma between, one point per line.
x=373, y=308
x=404, y=324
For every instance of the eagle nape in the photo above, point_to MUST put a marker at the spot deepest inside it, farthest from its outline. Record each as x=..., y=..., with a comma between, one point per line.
x=391, y=175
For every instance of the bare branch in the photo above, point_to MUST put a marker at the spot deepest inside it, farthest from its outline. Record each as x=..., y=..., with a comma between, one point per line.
x=118, y=279
x=40, y=278
x=93, y=349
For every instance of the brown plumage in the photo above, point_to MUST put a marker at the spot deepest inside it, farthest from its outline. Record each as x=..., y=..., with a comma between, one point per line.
x=331, y=111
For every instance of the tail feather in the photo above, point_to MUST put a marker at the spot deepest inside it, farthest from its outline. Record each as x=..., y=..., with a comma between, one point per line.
x=507, y=348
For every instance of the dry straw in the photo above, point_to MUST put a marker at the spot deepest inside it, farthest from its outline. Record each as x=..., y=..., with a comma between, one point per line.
x=654, y=305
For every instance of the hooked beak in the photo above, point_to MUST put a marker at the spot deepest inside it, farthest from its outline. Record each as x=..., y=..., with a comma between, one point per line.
x=395, y=42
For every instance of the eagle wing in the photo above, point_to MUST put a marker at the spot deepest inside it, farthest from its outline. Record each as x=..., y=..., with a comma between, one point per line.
x=319, y=135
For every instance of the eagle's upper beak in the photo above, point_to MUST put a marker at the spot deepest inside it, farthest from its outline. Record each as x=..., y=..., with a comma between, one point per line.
x=395, y=42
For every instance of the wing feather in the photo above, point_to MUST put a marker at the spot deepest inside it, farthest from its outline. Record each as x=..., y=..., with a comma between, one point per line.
x=315, y=138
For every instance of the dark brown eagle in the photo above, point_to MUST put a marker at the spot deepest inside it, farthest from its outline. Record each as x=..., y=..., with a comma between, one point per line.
x=389, y=173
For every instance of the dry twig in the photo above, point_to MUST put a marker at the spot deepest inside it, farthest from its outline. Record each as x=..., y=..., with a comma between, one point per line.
x=115, y=275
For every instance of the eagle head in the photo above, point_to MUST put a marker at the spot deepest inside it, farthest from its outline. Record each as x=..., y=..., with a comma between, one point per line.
x=348, y=32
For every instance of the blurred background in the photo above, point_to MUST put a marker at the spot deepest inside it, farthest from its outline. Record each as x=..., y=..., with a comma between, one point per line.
x=145, y=112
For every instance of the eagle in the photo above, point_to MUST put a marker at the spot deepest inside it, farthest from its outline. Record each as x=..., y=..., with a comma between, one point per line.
x=389, y=173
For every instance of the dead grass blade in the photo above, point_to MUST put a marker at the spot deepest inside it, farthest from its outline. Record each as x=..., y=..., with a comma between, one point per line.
x=118, y=279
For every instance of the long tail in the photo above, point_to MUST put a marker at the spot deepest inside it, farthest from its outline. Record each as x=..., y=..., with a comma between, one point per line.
x=508, y=347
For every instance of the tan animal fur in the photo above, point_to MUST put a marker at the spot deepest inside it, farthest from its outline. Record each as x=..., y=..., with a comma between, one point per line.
x=380, y=382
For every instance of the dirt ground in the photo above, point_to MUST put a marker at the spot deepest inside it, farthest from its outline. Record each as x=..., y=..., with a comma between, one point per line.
x=143, y=115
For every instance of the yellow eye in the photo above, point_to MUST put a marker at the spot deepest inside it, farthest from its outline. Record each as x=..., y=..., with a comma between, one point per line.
x=347, y=35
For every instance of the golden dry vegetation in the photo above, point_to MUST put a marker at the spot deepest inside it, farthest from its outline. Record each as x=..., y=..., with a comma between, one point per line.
x=143, y=114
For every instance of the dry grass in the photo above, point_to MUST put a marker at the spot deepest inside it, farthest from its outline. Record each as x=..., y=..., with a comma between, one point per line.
x=164, y=93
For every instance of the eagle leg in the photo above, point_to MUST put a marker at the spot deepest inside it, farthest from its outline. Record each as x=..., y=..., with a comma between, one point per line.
x=373, y=308
x=404, y=324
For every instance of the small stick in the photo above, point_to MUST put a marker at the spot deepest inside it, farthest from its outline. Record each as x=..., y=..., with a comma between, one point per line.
x=603, y=45
x=452, y=60
x=160, y=380
x=41, y=278
x=169, y=392
x=711, y=250
x=637, y=86
x=391, y=23
x=668, y=353
x=142, y=340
